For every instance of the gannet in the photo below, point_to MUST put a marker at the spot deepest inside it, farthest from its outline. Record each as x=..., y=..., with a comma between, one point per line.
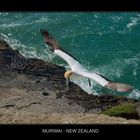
x=77, y=68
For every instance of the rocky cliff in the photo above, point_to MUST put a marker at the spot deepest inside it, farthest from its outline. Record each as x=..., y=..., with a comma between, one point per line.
x=35, y=86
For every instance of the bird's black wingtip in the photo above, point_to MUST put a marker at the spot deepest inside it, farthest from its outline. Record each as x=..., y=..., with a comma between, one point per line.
x=43, y=32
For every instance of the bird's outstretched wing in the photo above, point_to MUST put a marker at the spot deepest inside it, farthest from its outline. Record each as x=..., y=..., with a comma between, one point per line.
x=54, y=46
x=49, y=40
x=120, y=87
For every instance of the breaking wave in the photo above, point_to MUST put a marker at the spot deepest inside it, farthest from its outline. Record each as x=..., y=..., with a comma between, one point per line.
x=134, y=21
x=27, y=51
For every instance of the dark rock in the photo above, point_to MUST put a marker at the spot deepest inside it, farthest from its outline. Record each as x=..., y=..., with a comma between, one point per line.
x=13, y=60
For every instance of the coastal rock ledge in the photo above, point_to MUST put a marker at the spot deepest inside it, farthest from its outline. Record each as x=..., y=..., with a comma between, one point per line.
x=34, y=91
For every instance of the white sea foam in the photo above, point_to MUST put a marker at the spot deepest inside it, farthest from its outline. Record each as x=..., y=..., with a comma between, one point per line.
x=133, y=60
x=10, y=25
x=31, y=52
x=136, y=71
x=13, y=25
x=134, y=22
x=27, y=51
x=135, y=94
x=9, y=40
x=42, y=20
x=116, y=19
x=4, y=13
x=19, y=15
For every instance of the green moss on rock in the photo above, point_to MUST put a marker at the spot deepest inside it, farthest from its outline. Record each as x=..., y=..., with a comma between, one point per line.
x=127, y=110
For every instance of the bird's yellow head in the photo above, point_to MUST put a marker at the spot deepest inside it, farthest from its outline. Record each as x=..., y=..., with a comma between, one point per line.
x=68, y=73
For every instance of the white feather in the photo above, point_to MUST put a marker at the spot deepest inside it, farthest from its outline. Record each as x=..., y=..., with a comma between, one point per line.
x=77, y=68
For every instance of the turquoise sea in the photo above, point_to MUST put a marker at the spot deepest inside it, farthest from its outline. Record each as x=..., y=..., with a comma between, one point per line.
x=103, y=42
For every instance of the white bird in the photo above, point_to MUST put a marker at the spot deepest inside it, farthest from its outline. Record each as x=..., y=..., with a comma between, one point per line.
x=76, y=67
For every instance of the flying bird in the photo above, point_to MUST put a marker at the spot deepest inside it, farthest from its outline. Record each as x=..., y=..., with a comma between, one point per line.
x=77, y=68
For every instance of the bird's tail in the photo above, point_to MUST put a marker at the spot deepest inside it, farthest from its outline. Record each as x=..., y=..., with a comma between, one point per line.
x=120, y=87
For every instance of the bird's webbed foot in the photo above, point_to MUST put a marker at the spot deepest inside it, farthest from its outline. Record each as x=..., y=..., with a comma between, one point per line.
x=67, y=83
x=89, y=82
x=67, y=77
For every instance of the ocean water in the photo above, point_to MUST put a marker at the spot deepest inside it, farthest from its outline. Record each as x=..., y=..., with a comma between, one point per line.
x=103, y=42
